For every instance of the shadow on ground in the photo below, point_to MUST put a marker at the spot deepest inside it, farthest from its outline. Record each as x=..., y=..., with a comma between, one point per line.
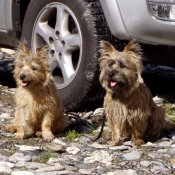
x=6, y=79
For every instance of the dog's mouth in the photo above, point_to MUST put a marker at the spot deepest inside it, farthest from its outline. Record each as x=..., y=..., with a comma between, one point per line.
x=25, y=83
x=113, y=83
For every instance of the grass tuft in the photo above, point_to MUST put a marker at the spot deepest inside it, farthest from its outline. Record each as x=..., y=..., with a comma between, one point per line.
x=70, y=135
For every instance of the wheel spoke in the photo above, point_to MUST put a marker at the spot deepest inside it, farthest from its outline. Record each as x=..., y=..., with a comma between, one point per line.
x=73, y=41
x=62, y=20
x=66, y=66
x=53, y=62
x=45, y=31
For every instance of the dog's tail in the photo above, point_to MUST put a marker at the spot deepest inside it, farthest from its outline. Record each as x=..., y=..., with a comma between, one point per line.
x=158, y=124
x=169, y=126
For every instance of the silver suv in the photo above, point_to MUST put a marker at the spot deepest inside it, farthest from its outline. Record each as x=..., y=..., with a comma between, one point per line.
x=72, y=30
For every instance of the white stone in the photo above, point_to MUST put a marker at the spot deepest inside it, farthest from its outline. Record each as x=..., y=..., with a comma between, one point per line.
x=59, y=142
x=132, y=155
x=5, y=169
x=121, y=148
x=22, y=173
x=54, y=146
x=1, y=105
x=16, y=157
x=162, y=150
x=165, y=144
x=50, y=168
x=99, y=156
x=5, y=116
x=28, y=148
x=30, y=165
x=85, y=171
x=130, y=172
x=8, y=164
x=9, y=51
x=145, y=163
x=97, y=145
x=98, y=111
x=117, y=172
x=157, y=100
x=149, y=144
x=52, y=161
x=72, y=150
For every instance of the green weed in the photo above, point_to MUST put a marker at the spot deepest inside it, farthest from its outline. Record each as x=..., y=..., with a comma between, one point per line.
x=23, y=168
x=70, y=135
x=45, y=157
x=12, y=151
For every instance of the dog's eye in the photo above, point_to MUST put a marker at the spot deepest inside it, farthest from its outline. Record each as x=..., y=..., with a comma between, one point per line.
x=33, y=68
x=111, y=63
x=122, y=65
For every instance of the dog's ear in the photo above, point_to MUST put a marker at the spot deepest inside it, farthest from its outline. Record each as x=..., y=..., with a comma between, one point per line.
x=22, y=48
x=134, y=49
x=133, y=46
x=42, y=52
x=42, y=55
x=106, y=47
x=21, y=51
x=106, y=50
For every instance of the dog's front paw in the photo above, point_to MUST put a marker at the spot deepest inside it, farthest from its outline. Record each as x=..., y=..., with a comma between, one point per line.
x=48, y=136
x=138, y=142
x=10, y=128
x=38, y=133
x=19, y=136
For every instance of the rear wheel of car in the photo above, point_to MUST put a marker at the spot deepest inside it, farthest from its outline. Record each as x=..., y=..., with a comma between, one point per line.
x=72, y=30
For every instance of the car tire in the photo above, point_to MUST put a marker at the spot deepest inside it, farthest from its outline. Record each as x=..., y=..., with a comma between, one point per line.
x=86, y=21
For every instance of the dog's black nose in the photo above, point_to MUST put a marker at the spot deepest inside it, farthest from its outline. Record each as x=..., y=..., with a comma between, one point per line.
x=22, y=76
x=111, y=74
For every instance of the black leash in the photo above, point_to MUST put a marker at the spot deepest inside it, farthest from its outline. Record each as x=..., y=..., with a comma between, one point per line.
x=102, y=127
x=75, y=121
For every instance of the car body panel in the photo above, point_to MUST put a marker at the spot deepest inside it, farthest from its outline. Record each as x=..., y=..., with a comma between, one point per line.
x=9, y=23
x=114, y=18
x=134, y=20
x=6, y=15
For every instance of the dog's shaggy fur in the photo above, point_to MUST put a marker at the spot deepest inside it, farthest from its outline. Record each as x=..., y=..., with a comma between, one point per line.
x=130, y=110
x=38, y=105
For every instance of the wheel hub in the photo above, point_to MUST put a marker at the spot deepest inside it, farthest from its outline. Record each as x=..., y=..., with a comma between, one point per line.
x=58, y=46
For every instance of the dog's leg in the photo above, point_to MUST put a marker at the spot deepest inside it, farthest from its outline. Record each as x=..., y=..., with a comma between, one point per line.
x=116, y=135
x=20, y=123
x=46, y=127
x=138, y=133
x=138, y=140
x=11, y=128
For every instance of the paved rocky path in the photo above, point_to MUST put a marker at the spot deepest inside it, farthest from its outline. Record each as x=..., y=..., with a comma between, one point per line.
x=76, y=154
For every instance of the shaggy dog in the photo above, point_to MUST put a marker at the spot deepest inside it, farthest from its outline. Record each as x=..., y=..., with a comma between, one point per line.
x=38, y=105
x=130, y=111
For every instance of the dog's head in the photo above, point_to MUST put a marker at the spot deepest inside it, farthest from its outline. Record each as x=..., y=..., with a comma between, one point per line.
x=120, y=71
x=31, y=68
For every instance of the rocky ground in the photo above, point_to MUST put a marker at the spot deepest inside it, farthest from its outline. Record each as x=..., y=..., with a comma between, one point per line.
x=75, y=153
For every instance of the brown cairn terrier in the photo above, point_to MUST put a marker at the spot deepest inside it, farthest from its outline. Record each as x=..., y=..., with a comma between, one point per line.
x=130, y=111
x=38, y=105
